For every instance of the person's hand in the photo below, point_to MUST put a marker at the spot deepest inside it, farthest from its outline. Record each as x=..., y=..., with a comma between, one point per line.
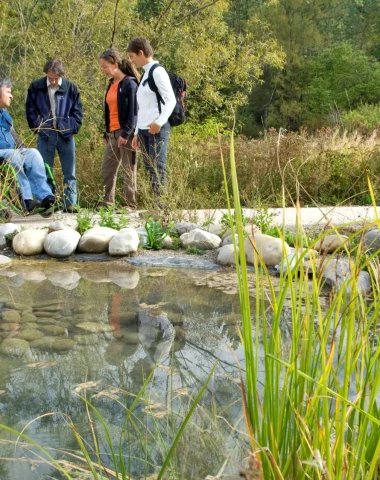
x=135, y=142
x=121, y=141
x=154, y=128
x=105, y=141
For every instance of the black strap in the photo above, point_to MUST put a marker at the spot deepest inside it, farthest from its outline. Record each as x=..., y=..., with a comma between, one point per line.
x=153, y=86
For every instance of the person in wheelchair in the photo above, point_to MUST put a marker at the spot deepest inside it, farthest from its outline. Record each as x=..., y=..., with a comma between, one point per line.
x=27, y=162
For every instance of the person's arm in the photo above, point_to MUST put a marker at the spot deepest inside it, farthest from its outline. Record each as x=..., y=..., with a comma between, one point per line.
x=76, y=111
x=165, y=89
x=129, y=128
x=18, y=142
x=32, y=112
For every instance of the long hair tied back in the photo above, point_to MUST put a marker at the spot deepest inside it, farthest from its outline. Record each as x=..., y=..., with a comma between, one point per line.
x=113, y=56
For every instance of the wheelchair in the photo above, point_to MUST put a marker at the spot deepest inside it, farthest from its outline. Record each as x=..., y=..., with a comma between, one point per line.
x=11, y=199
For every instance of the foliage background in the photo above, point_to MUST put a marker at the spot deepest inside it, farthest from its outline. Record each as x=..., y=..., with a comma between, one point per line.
x=289, y=64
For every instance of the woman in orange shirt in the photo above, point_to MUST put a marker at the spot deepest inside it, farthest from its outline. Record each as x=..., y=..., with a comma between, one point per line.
x=120, y=112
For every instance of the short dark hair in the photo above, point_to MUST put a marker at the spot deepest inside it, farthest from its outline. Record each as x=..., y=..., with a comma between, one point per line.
x=5, y=82
x=56, y=66
x=140, y=43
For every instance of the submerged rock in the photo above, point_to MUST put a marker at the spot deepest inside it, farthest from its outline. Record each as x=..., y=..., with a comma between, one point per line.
x=14, y=346
x=53, y=330
x=30, y=335
x=11, y=316
x=4, y=261
x=53, y=344
x=95, y=327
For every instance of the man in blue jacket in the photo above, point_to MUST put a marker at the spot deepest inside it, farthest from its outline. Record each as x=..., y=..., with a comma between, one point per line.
x=27, y=162
x=54, y=112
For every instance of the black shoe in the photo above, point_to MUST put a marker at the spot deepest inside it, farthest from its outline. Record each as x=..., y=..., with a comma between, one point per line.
x=47, y=206
x=71, y=209
x=31, y=205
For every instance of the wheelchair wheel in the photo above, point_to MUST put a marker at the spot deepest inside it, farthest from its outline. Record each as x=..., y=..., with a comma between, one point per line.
x=14, y=198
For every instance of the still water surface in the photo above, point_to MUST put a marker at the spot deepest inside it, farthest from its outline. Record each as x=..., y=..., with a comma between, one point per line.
x=98, y=331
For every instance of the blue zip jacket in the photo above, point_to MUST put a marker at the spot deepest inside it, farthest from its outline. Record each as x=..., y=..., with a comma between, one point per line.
x=69, y=113
x=6, y=139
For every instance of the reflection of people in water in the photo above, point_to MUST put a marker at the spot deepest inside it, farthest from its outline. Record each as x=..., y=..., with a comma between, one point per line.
x=155, y=332
x=156, y=335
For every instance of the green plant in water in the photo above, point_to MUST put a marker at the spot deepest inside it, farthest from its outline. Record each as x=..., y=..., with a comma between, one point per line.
x=317, y=415
x=111, y=219
x=156, y=233
x=84, y=219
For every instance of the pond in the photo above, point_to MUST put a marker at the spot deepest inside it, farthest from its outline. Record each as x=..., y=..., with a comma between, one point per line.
x=98, y=331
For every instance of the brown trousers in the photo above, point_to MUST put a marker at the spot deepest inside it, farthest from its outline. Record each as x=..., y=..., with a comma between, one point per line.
x=114, y=158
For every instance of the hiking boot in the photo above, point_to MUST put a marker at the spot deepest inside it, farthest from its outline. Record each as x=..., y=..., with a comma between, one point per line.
x=47, y=206
x=31, y=205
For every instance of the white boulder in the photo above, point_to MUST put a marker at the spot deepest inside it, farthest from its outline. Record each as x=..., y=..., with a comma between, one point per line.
x=124, y=242
x=66, y=224
x=271, y=250
x=331, y=243
x=7, y=229
x=29, y=242
x=61, y=243
x=200, y=239
x=226, y=255
x=96, y=240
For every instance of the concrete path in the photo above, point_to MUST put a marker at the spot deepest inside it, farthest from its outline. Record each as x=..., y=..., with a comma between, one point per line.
x=309, y=217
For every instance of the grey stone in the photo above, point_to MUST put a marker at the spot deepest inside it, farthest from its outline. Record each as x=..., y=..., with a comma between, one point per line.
x=53, y=344
x=62, y=243
x=90, y=339
x=372, y=240
x=226, y=255
x=143, y=236
x=185, y=227
x=228, y=240
x=337, y=273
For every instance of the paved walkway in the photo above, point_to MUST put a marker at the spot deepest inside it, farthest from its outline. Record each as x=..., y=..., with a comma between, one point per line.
x=309, y=217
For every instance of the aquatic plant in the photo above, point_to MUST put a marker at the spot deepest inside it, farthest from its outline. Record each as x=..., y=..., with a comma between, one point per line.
x=317, y=415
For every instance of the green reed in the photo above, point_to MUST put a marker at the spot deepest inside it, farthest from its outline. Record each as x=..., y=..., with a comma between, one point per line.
x=317, y=415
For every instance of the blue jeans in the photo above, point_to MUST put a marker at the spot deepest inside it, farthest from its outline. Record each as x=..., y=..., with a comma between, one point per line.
x=50, y=141
x=154, y=149
x=30, y=170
